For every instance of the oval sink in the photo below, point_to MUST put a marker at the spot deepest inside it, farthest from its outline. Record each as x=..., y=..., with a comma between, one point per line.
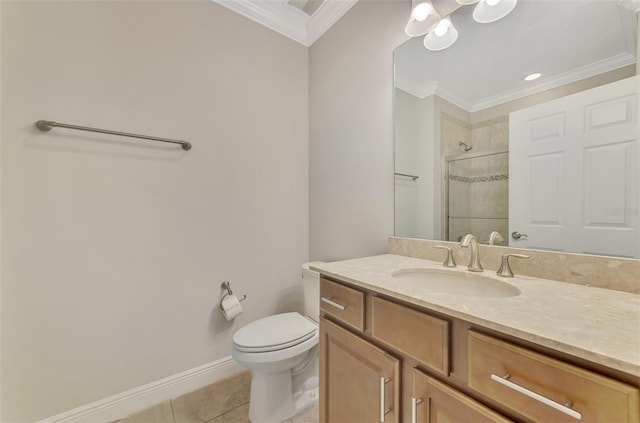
x=458, y=283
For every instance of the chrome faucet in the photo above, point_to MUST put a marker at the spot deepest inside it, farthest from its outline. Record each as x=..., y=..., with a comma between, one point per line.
x=470, y=241
x=495, y=237
x=505, y=269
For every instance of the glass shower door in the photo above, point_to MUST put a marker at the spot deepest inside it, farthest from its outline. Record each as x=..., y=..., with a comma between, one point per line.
x=478, y=198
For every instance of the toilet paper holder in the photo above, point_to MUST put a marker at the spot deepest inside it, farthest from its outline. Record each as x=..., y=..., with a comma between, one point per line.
x=226, y=285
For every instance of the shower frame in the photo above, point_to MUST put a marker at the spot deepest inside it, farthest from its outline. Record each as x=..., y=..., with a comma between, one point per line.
x=445, y=175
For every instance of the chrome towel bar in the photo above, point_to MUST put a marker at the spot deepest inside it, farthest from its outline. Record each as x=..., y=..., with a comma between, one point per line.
x=46, y=125
x=414, y=177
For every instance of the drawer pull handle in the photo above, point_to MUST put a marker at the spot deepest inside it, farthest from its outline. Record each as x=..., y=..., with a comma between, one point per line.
x=414, y=409
x=504, y=380
x=383, y=411
x=333, y=303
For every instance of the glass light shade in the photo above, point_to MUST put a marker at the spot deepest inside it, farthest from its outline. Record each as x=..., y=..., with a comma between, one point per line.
x=435, y=42
x=423, y=18
x=487, y=13
x=466, y=2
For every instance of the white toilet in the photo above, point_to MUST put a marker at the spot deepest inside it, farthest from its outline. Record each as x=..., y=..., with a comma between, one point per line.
x=282, y=353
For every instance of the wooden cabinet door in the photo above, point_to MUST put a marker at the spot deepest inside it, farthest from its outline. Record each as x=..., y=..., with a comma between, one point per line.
x=435, y=402
x=359, y=382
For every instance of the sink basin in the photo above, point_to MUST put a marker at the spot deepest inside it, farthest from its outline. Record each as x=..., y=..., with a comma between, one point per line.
x=459, y=283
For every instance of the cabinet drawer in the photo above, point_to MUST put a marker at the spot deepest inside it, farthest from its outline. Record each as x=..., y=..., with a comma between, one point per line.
x=343, y=303
x=420, y=336
x=545, y=389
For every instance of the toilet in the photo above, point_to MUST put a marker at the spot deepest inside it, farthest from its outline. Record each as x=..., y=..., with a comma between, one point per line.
x=282, y=352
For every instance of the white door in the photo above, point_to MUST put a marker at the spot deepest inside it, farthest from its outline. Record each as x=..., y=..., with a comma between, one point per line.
x=574, y=172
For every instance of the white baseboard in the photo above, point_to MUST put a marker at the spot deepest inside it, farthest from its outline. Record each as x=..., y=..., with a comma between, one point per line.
x=129, y=402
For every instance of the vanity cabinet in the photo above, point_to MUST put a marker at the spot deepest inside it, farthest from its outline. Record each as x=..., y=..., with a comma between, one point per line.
x=417, y=335
x=545, y=389
x=358, y=381
x=435, y=402
x=382, y=360
x=344, y=304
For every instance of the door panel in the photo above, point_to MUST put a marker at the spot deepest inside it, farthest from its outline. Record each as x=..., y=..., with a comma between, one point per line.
x=574, y=181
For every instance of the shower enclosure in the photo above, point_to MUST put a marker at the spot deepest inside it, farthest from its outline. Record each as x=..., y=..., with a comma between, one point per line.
x=477, y=196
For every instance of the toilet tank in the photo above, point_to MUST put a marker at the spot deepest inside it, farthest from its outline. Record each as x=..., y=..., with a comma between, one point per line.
x=311, y=285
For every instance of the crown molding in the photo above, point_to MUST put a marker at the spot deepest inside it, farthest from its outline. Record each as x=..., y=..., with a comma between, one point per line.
x=327, y=14
x=593, y=69
x=430, y=89
x=420, y=91
x=273, y=15
x=289, y=21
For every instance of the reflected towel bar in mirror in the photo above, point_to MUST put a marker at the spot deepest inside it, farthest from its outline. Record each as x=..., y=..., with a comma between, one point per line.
x=46, y=125
x=408, y=176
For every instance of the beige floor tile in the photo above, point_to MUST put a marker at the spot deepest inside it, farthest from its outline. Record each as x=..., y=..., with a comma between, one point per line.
x=160, y=413
x=237, y=415
x=212, y=401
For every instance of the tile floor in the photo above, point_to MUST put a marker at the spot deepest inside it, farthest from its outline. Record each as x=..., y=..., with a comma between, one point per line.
x=224, y=402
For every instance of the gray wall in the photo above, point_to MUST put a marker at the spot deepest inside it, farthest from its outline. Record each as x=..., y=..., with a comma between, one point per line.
x=351, y=131
x=113, y=250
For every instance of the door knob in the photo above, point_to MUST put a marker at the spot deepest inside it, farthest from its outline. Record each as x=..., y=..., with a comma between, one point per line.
x=517, y=235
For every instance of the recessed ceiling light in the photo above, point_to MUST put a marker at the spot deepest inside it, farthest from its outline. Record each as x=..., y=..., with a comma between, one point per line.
x=532, y=76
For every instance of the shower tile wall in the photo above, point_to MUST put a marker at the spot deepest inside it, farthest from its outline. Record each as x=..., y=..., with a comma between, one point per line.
x=478, y=194
x=493, y=133
x=452, y=132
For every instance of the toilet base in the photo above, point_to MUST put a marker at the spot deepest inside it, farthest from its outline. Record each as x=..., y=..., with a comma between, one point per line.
x=272, y=401
x=302, y=400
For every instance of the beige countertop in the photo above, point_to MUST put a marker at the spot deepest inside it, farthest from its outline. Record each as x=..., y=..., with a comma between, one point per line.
x=599, y=325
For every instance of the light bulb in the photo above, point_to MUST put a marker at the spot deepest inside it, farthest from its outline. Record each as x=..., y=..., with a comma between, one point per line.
x=441, y=29
x=488, y=11
x=421, y=12
x=442, y=36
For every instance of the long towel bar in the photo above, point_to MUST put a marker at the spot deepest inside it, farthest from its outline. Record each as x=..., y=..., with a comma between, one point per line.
x=414, y=177
x=46, y=125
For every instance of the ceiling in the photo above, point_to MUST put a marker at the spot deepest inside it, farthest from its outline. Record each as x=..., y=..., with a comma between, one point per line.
x=565, y=40
x=303, y=21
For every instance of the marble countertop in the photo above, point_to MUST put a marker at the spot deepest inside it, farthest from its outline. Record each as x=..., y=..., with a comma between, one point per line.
x=598, y=325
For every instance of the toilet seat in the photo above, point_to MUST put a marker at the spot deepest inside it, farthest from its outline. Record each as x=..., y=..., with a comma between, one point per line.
x=274, y=333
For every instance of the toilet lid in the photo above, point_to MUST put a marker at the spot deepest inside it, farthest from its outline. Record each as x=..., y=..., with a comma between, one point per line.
x=274, y=332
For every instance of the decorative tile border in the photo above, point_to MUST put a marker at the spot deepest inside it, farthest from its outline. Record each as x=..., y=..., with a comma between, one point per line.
x=476, y=179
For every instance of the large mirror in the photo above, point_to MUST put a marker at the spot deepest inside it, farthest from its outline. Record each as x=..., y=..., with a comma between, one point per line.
x=552, y=163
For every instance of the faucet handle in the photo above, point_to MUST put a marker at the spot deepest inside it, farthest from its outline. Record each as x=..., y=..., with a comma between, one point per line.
x=449, y=261
x=505, y=269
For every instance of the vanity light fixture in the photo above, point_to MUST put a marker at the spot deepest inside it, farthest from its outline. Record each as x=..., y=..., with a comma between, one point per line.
x=488, y=11
x=425, y=19
x=442, y=36
x=532, y=76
